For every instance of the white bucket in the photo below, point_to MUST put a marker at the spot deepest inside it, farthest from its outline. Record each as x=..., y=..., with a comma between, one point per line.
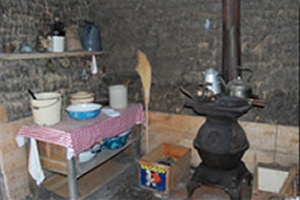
x=117, y=96
x=46, y=109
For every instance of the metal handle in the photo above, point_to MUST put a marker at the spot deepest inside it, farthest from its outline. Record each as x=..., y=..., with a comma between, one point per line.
x=47, y=106
x=32, y=94
x=246, y=69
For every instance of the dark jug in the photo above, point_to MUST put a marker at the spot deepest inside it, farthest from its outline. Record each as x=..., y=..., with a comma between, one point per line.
x=91, y=37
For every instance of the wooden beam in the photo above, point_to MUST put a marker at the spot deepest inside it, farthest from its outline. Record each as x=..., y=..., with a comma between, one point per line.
x=27, y=56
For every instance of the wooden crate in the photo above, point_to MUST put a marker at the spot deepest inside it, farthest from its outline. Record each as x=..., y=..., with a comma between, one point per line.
x=272, y=176
x=53, y=157
x=160, y=177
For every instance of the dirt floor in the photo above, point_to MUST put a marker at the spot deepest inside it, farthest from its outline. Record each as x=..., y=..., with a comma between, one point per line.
x=126, y=187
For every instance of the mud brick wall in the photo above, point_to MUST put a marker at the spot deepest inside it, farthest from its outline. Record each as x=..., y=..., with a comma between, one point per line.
x=183, y=38
x=41, y=76
x=21, y=23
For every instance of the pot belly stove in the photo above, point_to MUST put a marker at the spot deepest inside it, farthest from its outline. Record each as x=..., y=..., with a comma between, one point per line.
x=221, y=143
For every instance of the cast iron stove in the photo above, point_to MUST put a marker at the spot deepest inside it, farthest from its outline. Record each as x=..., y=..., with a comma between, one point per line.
x=221, y=143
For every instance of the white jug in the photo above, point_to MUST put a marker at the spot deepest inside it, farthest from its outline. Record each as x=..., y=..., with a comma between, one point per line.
x=118, y=96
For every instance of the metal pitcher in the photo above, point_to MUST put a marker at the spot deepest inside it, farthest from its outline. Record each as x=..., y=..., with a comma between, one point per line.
x=210, y=75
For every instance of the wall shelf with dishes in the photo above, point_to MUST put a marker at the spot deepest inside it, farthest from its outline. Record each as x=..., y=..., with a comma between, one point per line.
x=27, y=56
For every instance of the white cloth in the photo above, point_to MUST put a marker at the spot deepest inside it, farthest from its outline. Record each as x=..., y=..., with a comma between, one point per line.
x=20, y=141
x=70, y=153
x=34, y=164
x=94, y=68
x=110, y=112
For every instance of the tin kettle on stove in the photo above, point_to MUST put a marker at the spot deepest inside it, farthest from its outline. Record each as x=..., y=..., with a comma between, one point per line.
x=239, y=87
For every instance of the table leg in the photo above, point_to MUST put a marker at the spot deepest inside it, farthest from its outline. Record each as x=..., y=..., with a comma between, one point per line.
x=72, y=180
x=136, y=150
x=137, y=146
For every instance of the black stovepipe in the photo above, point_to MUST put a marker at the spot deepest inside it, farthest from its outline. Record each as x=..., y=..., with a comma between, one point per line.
x=231, y=48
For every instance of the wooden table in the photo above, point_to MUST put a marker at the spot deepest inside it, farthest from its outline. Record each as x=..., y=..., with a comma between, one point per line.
x=54, y=142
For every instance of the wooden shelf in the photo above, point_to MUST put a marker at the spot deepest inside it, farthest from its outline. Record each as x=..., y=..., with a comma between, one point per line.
x=87, y=177
x=27, y=56
x=90, y=182
x=92, y=175
x=56, y=161
x=102, y=157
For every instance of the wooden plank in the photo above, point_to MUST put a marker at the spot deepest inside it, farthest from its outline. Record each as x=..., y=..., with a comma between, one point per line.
x=3, y=115
x=15, y=178
x=54, y=165
x=183, y=126
x=156, y=139
x=289, y=181
x=90, y=182
x=174, y=150
x=27, y=56
x=52, y=151
x=180, y=169
x=8, y=131
x=9, y=147
x=13, y=161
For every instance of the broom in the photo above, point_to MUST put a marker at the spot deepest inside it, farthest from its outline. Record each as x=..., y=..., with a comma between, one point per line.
x=143, y=68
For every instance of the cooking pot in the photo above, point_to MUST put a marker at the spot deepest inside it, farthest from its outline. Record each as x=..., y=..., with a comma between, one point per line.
x=239, y=87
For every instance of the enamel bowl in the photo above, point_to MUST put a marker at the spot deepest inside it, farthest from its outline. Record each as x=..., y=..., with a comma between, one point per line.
x=84, y=111
x=86, y=156
x=117, y=141
x=89, y=154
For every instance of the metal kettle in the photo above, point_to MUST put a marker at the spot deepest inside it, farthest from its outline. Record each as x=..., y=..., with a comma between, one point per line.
x=239, y=87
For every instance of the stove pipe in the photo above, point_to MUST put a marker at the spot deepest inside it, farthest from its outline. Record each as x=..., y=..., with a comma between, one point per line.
x=231, y=39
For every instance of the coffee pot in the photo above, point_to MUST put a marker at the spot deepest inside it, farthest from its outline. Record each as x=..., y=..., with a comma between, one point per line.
x=210, y=76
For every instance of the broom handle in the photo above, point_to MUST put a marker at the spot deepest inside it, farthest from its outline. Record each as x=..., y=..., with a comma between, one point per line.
x=146, y=102
x=147, y=128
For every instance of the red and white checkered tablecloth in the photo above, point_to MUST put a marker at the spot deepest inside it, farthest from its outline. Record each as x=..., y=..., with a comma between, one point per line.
x=81, y=135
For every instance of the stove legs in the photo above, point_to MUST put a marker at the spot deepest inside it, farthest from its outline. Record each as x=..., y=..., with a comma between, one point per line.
x=191, y=187
x=234, y=193
x=230, y=180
